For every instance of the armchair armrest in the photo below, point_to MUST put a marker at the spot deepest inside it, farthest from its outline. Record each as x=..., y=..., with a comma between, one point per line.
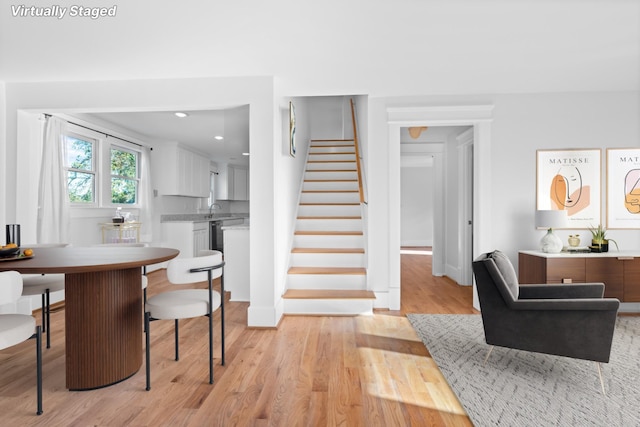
x=591, y=304
x=564, y=291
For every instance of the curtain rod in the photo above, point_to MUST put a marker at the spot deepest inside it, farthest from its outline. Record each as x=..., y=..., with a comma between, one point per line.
x=99, y=131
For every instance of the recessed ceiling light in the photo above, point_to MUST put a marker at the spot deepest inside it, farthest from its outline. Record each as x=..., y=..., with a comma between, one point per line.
x=181, y=114
x=219, y=138
x=245, y=154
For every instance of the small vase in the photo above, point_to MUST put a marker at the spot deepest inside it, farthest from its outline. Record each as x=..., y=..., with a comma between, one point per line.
x=602, y=246
x=574, y=241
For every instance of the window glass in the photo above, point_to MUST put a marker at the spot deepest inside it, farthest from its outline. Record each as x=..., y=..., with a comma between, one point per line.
x=124, y=176
x=80, y=167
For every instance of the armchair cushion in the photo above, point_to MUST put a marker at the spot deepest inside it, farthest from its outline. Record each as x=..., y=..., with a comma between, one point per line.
x=507, y=271
x=582, y=290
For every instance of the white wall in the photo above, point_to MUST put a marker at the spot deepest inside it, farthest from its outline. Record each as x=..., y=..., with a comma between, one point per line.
x=521, y=124
x=290, y=181
x=416, y=201
x=205, y=93
x=4, y=172
x=524, y=123
x=326, y=117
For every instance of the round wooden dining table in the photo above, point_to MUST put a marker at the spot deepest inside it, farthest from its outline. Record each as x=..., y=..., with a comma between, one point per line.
x=103, y=307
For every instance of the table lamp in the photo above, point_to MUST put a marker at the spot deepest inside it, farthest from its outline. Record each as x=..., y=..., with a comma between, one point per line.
x=551, y=219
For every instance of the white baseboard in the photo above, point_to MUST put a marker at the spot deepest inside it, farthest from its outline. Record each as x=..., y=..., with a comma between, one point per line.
x=452, y=272
x=265, y=317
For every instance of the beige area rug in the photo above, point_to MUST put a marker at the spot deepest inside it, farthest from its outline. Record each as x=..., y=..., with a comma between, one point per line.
x=519, y=388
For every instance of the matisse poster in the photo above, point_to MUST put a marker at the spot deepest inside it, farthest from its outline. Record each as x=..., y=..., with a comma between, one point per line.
x=623, y=188
x=570, y=180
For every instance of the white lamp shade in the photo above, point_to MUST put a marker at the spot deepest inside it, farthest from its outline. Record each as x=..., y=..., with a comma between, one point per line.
x=551, y=218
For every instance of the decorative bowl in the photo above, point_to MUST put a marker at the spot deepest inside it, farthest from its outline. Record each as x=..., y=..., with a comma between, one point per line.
x=9, y=251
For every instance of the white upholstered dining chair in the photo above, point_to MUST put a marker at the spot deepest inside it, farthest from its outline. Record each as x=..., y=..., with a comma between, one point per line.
x=44, y=285
x=188, y=303
x=17, y=328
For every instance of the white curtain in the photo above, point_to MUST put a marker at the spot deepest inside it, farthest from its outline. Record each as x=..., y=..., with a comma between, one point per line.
x=53, y=200
x=146, y=197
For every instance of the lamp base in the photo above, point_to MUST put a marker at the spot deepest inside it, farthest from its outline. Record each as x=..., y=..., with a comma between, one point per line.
x=551, y=243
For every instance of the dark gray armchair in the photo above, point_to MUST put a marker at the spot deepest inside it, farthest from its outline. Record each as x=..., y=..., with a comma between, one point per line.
x=565, y=320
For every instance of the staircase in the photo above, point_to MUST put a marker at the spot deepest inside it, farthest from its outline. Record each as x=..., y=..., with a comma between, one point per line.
x=327, y=274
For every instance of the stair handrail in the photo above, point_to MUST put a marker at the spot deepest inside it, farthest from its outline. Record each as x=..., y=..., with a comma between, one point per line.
x=358, y=158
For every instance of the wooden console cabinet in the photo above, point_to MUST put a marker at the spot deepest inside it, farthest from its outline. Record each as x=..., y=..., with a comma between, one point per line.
x=619, y=271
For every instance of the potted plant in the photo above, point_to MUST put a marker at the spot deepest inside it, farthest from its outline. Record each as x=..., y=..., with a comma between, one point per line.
x=599, y=241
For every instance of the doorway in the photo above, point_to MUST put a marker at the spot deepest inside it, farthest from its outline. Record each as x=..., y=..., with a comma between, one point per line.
x=437, y=196
x=478, y=116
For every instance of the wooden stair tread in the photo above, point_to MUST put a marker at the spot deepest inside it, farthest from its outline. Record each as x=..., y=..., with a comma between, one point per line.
x=327, y=250
x=332, y=154
x=330, y=170
x=331, y=217
x=328, y=294
x=327, y=233
x=329, y=204
x=331, y=140
x=330, y=180
x=331, y=161
x=329, y=191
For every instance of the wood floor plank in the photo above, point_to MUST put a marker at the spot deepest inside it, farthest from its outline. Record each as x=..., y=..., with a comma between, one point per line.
x=312, y=370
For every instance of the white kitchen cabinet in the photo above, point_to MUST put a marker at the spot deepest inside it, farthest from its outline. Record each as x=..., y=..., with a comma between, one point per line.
x=233, y=183
x=236, y=257
x=188, y=237
x=180, y=172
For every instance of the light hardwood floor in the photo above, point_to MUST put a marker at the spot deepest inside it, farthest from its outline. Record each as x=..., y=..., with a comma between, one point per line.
x=311, y=371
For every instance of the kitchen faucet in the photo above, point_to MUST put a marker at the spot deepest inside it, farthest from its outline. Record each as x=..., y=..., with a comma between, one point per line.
x=213, y=206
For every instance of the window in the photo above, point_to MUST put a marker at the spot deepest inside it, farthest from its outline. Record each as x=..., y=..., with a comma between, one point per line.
x=124, y=176
x=100, y=173
x=80, y=166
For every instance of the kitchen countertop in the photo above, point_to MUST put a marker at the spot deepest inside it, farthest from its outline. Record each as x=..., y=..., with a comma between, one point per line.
x=236, y=227
x=202, y=217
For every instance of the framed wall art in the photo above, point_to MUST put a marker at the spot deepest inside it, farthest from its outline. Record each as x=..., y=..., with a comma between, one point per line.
x=570, y=180
x=623, y=188
x=292, y=129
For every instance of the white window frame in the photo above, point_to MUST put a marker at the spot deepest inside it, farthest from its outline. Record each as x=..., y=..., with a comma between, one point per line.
x=121, y=146
x=102, y=167
x=95, y=163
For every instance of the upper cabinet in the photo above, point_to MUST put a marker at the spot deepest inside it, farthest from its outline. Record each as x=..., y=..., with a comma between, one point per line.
x=180, y=172
x=232, y=183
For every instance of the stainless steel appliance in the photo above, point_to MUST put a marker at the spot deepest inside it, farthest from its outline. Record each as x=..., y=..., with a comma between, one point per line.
x=216, y=234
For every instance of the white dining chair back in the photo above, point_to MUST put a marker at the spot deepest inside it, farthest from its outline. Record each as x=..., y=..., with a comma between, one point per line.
x=43, y=285
x=179, y=269
x=17, y=328
x=189, y=303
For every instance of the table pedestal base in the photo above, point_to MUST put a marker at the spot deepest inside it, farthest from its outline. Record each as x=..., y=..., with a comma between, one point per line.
x=103, y=318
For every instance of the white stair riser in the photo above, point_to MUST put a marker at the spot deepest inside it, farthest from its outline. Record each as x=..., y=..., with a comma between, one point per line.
x=351, y=197
x=327, y=157
x=321, y=143
x=327, y=281
x=329, y=210
x=339, y=307
x=323, y=150
x=331, y=241
x=329, y=224
x=330, y=175
x=324, y=260
x=350, y=166
x=330, y=185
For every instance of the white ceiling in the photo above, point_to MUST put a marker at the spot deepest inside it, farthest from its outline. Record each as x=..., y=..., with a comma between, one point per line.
x=377, y=48
x=373, y=47
x=197, y=130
